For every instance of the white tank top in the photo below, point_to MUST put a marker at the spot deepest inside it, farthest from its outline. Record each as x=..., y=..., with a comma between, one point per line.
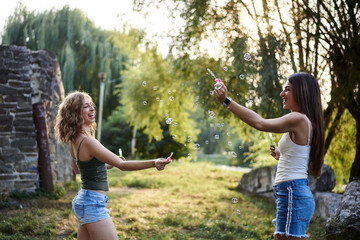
x=294, y=159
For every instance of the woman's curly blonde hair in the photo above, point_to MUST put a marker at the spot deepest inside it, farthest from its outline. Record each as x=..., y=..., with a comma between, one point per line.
x=69, y=119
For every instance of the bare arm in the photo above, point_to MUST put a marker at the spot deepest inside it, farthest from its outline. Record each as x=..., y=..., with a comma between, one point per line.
x=96, y=149
x=286, y=123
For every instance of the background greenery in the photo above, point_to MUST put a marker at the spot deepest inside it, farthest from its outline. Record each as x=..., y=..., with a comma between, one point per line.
x=165, y=102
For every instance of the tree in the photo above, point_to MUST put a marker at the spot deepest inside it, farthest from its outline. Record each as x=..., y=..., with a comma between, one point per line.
x=337, y=31
x=82, y=49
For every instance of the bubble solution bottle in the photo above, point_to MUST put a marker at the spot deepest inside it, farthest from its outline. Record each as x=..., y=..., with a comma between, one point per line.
x=217, y=84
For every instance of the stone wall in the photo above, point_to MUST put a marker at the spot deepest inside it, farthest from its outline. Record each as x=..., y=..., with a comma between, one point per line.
x=26, y=78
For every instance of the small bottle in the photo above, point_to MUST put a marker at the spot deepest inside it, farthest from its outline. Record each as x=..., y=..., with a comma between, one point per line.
x=120, y=153
x=217, y=84
x=169, y=157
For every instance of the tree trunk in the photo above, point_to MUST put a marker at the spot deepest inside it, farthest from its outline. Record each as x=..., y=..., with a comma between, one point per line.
x=355, y=168
x=133, y=142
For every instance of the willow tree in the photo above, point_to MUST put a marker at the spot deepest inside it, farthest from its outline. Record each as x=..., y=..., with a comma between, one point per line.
x=82, y=49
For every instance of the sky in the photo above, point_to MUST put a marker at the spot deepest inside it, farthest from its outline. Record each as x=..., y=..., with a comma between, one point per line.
x=107, y=14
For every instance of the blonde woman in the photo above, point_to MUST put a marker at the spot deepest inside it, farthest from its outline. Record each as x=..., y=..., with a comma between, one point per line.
x=300, y=151
x=75, y=123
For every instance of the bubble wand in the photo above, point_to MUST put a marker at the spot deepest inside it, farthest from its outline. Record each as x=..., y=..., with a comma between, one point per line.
x=271, y=140
x=217, y=80
x=120, y=153
x=169, y=157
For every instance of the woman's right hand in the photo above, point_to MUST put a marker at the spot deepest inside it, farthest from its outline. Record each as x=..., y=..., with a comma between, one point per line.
x=274, y=151
x=160, y=163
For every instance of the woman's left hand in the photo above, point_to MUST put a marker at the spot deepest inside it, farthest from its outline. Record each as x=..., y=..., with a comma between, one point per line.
x=221, y=93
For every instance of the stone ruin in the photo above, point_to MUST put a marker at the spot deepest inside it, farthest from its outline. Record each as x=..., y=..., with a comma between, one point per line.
x=30, y=92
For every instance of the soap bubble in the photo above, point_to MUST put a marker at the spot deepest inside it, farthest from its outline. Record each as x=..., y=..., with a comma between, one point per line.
x=169, y=92
x=240, y=147
x=169, y=120
x=157, y=99
x=217, y=136
x=217, y=85
x=154, y=88
x=219, y=125
x=197, y=147
x=229, y=143
x=175, y=124
x=242, y=76
x=143, y=83
x=233, y=154
x=206, y=141
x=238, y=211
x=247, y=57
x=211, y=92
x=189, y=156
x=211, y=114
x=174, y=136
x=234, y=200
x=171, y=98
x=145, y=103
x=225, y=69
x=189, y=139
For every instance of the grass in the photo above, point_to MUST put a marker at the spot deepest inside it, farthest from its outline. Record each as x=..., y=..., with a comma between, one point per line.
x=186, y=201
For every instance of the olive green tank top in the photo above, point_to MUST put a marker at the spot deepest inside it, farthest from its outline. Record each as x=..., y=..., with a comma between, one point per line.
x=93, y=173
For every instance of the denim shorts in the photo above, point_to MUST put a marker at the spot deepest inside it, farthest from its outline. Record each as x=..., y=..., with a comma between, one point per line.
x=90, y=206
x=295, y=206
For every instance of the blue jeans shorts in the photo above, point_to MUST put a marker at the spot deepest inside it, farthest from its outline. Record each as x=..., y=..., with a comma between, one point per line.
x=90, y=206
x=295, y=206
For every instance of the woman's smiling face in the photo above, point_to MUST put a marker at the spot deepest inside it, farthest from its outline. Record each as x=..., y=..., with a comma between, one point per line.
x=289, y=101
x=88, y=112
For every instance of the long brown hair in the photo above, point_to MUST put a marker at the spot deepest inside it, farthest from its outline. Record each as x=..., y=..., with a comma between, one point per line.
x=307, y=95
x=69, y=119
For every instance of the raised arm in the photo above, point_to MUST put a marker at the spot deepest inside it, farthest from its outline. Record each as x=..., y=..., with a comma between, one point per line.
x=286, y=123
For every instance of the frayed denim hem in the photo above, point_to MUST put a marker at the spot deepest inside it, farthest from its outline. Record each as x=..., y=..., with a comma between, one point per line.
x=291, y=235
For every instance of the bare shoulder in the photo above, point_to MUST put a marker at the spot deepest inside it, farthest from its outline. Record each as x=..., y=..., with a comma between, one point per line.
x=91, y=142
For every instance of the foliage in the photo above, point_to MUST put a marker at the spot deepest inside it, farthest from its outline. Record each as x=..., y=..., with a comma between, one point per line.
x=340, y=155
x=117, y=134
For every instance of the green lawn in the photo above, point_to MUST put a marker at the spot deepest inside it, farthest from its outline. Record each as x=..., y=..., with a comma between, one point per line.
x=186, y=201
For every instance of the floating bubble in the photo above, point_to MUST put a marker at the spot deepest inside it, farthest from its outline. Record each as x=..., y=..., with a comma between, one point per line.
x=157, y=138
x=175, y=124
x=206, y=141
x=233, y=154
x=157, y=99
x=189, y=139
x=222, y=124
x=228, y=134
x=242, y=76
x=189, y=156
x=217, y=136
x=169, y=92
x=168, y=120
x=211, y=92
x=225, y=69
x=211, y=114
x=234, y=200
x=219, y=125
x=197, y=147
x=145, y=103
x=143, y=83
x=247, y=57
x=174, y=136
x=238, y=212
x=217, y=85
x=171, y=98
x=154, y=88
x=229, y=143
x=240, y=147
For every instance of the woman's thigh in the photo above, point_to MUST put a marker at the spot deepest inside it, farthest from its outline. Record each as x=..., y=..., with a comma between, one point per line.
x=104, y=229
